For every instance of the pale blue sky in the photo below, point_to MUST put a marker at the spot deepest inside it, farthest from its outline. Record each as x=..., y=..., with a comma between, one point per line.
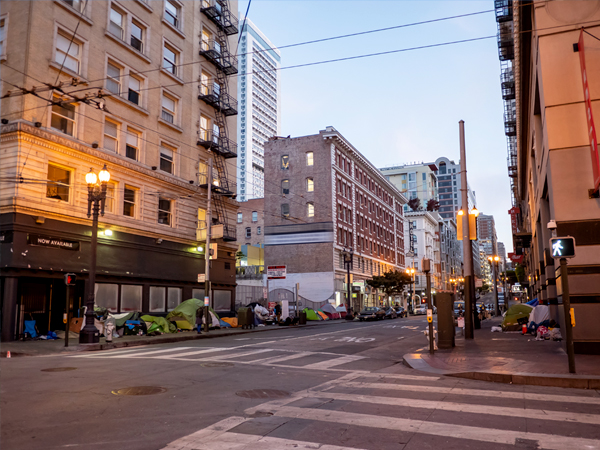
x=402, y=107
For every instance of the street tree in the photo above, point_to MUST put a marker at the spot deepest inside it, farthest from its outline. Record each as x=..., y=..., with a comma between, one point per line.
x=392, y=283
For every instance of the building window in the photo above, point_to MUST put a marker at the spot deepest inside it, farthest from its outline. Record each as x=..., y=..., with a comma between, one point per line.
x=240, y=217
x=75, y=4
x=3, y=22
x=204, y=128
x=173, y=298
x=285, y=210
x=157, y=299
x=170, y=57
x=258, y=230
x=111, y=136
x=131, y=298
x=310, y=209
x=137, y=36
x=129, y=201
x=132, y=144
x=110, y=197
x=135, y=87
x=310, y=185
x=254, y=216
x=166, y=159
x=204, y=77
x=168, y=109
x=164, y=211
x=115, y=25
x=68, y=54
x=285, y=162
x=205, y=40
x=59, y=181
x=113, y=78
x=309, y=158
x=285, y=186
x=248, y=232
x=63, y=118
x=172, y=13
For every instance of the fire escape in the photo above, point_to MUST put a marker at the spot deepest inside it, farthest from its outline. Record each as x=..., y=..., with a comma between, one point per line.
x=215, y=94
x=506, y=53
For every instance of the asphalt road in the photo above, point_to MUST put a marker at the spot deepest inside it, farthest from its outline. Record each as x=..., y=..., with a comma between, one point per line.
x=333, y=387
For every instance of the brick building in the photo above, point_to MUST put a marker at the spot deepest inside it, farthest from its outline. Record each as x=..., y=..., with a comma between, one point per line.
x=127, y=100
x=328, y=197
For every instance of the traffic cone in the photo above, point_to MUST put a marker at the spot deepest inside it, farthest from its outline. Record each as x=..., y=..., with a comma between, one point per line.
x=8, y=354
x=524, y=329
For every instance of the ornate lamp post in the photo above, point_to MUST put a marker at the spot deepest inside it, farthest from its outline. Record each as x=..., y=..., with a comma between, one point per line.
x=348, y=254
x=96, y=200
x=411, y=271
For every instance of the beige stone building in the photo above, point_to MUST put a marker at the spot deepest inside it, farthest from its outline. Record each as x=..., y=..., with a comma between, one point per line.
x=145, y=88
x=555, y=160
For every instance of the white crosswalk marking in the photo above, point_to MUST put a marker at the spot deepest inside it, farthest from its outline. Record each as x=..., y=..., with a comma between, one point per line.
x=334, y=362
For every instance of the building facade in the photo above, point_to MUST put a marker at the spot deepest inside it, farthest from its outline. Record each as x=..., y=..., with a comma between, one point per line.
x=555, y=164
x=260, y=112
x=328, y=198
x=250, y=260
x=450, y=254
x=486, y=234
x=122, y=93
x=414, y=181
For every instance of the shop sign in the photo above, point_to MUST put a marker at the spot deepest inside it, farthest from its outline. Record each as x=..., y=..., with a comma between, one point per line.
x=49, y=241
x=515, y=258
x=513, y=217
x=276, y=272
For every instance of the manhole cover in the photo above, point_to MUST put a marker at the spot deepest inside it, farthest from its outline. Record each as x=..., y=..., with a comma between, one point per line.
x=140, y=390
x=217, y=364
x=263, y=393
x=59, y=369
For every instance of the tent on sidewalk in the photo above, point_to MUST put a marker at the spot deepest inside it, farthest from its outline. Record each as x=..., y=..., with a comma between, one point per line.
x=159, y=324
x=330, y=310
x=311, y=314
x=322, y=314
x=342, y=310
x=514, y=315
x=187, y=311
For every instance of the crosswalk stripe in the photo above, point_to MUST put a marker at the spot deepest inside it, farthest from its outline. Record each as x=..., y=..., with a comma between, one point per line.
x=128, y=353
x=195, y=352
x=222, y=357
x=540, y=414
x=278, y=359
x=477, y=392
x=217, y=437
x=324, y=365
x=508, y=437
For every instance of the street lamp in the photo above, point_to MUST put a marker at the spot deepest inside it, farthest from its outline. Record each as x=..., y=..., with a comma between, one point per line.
x=494, y=259
x=411, y=271
x=348, y=254
x=96, y=200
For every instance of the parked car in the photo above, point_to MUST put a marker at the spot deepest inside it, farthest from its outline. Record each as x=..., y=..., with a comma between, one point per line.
x=371, y=313
x=400, y=311
x=421, y=310
x=390, y=313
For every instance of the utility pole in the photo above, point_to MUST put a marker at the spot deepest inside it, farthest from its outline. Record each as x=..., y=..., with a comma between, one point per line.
x=207, y=249
x=467, y=249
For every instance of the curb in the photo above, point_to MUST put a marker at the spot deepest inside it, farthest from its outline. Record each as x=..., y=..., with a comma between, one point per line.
x=414, y=361
x=151, y=341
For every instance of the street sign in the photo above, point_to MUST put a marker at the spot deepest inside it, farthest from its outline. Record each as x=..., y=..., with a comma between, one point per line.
x=562, y=247
x=276, y=272
x=201, y=278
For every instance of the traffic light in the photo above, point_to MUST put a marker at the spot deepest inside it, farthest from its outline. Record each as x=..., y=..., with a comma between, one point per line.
x=70, y=279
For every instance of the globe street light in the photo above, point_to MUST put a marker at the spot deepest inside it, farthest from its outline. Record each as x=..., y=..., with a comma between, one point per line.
x=96, y=201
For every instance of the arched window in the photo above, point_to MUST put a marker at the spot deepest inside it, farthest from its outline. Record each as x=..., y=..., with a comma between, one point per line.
x=310, y=209
x=310, y=185
x=442, y=168
x=285, y=186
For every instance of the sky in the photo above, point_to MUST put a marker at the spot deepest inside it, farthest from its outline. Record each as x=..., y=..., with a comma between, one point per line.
x=401, y=107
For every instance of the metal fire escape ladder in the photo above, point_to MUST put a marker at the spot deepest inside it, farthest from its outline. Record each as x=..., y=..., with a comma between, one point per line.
x=216, y=140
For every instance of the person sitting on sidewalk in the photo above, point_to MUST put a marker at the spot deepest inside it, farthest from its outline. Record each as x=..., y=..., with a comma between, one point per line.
x=278, y=312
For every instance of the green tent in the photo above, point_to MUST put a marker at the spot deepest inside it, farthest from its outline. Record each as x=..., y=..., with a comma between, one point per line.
x=514, y=313
x=311, y=314
x=187, y=311
x=159, y=323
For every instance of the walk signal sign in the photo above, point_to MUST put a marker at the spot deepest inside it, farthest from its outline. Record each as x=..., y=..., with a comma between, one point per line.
x=70, y=279
x=562, y=247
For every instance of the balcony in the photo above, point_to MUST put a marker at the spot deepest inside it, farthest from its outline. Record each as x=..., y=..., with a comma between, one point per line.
x=249, y=272
x=216, y=53
x=212, y=96
x=508, y=84
x=220, y=15
x=229, y=233
x=504, y=10
x=506, y=41
x=218, y=144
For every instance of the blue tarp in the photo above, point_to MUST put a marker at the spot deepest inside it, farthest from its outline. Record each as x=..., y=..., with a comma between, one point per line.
x=533, y=302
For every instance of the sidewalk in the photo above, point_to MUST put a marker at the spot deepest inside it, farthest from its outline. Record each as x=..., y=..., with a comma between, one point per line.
x=509, y=358
x=52, y=347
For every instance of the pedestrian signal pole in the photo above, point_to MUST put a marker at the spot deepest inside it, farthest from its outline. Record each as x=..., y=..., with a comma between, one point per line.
x=207, y=250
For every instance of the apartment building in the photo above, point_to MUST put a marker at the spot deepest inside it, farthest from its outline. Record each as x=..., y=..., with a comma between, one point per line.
x=143, y=88
x=555, y=69
x=414, y=181
x=260, y=112
x=327, y=198
x=486, y=234
x=250, y=260
x=450, y=254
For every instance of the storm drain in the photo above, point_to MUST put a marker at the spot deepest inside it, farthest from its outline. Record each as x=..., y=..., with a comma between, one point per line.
x=217, y=364
x=263, y=393
x=59, y=369
x=140, y=390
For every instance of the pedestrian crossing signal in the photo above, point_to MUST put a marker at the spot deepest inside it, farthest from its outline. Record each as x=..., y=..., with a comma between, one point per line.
x=562, y=247
x=70, y=279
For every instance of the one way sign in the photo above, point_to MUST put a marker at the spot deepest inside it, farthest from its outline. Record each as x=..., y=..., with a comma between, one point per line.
x=562, y=247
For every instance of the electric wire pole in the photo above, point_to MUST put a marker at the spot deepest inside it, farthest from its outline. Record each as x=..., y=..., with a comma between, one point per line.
x=207, y=248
